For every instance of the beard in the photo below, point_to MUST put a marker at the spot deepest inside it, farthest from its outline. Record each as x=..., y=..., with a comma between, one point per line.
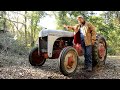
x=83, y=23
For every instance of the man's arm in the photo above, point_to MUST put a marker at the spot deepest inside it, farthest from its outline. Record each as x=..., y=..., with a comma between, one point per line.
x=93, y=32
x=75, y=28
x=69, y=27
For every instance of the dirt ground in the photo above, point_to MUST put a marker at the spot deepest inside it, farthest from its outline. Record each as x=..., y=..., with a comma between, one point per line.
x=18, y=67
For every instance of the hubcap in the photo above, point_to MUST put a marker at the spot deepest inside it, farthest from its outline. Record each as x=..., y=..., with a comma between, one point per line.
x=37, y=59
x=101, y=51
x=70, y=61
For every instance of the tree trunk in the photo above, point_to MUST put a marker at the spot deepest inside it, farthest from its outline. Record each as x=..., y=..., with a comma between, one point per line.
x=25, y=28
x=4, y=23
x=32, y=40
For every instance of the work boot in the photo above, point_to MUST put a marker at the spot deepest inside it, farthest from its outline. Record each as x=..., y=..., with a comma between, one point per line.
x=84, y=68
x=89, y=69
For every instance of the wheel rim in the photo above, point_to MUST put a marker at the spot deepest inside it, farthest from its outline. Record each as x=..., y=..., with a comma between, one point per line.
x=37, y=59
x=70, y=61
x=101, y=50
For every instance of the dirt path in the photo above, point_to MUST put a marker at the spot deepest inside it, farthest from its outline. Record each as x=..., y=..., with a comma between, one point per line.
x=18, y=67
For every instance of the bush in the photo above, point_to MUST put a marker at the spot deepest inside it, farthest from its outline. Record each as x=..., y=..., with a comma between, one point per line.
x=11, y=45
x=111, y=51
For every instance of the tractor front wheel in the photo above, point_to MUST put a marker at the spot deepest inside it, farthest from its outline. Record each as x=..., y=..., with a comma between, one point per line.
x=68, y=61
x=35, y=59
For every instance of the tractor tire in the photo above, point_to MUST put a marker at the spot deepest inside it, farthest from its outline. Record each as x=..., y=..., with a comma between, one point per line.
x=35, y=59
x=99, y=54
x=68, y=61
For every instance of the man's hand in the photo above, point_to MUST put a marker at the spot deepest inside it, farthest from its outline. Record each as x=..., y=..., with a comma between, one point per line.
x=93, y=42
x=65, y=26
x=75, y=28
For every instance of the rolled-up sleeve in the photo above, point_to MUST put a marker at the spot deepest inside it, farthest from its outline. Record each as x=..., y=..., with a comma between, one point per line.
x=93, y=31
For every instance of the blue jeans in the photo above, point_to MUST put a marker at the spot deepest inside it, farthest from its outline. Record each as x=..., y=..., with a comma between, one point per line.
x=87, y=54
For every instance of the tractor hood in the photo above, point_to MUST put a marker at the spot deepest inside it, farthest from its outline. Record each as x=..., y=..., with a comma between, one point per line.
x=59, y=33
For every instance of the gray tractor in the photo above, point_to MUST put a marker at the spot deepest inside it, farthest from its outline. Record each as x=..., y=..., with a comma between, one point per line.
x=66, y=47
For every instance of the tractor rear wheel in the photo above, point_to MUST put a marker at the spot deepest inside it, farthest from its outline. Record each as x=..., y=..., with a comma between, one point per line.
x=99, y=52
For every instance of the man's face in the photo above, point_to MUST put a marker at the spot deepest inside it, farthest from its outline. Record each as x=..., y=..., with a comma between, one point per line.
x=80, y=20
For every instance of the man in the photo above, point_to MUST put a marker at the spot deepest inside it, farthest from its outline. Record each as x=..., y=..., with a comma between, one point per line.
x=88, y=37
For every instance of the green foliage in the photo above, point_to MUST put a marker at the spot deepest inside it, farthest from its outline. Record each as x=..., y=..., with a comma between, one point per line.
x=68, y=17
x=24, y=29
x=107, y=24
x=1, y=24
x=33, y=28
